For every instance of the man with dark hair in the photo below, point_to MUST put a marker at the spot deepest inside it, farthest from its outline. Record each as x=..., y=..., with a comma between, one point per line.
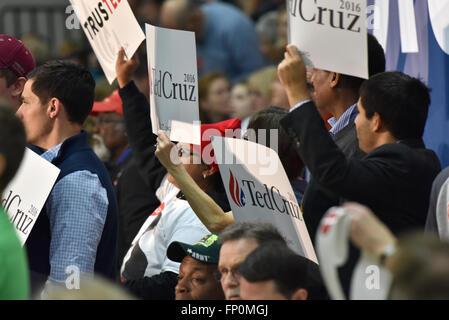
x=275, y=272
x=16, y=62
x=14, y=278
x=394, y=179
x=337, y=94
x=226, y=38
x=77, y=229
x=238, y=241
x=197, y=279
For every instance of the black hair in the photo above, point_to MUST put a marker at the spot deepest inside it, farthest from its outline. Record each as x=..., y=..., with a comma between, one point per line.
x=401, y=101
x=288, y=270
x=71, y=83
x=270, y=119
x=12, y=144
x=376, y=64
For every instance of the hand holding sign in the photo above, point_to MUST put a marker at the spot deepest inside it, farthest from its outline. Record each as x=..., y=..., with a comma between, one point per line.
x=166, y=152
x=125, y=68
x=293, y=76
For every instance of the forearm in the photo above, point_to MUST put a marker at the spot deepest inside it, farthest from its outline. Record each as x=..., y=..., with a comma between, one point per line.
x=210, y=213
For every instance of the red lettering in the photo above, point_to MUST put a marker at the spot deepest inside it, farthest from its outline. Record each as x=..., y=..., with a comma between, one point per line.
x=107, y=4
x=113, y=3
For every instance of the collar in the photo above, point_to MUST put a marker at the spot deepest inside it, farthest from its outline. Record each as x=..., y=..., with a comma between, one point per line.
x=349, y=115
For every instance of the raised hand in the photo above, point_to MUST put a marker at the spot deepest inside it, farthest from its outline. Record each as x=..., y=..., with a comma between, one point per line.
x=292, y=74
x=125, y=68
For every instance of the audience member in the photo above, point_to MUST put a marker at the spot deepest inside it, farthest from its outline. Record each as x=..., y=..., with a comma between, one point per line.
x=237, y=242
x=211, y=214
x=78, y=224
x=135, y=200
x=14, y=277
x=275, y=272
x=396, y=176
x=146, y=270
x=226, y=38
x=197, y=279
x=214, y=92
x=16, y=62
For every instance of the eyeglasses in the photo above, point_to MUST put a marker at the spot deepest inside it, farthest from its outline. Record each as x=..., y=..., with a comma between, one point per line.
x=221, y=275
x=182, y=153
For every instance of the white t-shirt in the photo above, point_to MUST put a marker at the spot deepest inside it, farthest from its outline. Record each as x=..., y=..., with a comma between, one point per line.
x=148, y=253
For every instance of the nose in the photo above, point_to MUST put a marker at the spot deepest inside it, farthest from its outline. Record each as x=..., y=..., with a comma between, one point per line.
x=182, y=287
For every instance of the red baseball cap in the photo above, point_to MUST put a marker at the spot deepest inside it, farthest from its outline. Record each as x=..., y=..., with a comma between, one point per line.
x=113, y=103
x=209, y=130
x=15, y=56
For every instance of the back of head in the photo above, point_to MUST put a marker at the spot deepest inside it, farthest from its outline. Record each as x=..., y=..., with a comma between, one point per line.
x=288, y=270
x=401, y=101
x=376, y=65
x=262, y=232
x=12, y=144
x=270, y=119
x=420, y=268
x=70, y=83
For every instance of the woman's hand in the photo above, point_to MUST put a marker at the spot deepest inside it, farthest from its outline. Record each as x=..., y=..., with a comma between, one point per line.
x=167, y=152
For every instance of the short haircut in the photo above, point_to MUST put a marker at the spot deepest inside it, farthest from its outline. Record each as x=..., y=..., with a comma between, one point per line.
x=376, y=65
x=9, y=76
x=71, y=83
x=288, y=270
x=262, y=232
x=401, y=101
x=270, y=119
x=12, y=143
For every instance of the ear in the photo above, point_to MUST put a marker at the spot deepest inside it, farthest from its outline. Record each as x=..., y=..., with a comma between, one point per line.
x=300, y=294
x=17, y=87
x=334, y=79
x=376, y=123
x=54, y=108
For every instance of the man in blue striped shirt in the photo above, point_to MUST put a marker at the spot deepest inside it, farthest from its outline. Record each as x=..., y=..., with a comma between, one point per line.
x=76, y=232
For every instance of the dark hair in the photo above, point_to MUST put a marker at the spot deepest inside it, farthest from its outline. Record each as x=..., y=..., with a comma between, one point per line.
x=72, y=84
x=401, y=101
x=270, y=119
x=12, y=143
x=288, y=270
x=376, y=64
x=262, y=232
x=9, y=76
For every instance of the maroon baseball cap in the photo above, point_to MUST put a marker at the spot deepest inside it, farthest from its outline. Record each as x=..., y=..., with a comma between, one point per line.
x=15, y=56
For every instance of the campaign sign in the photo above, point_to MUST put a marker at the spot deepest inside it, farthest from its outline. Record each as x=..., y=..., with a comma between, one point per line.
x=331, y=35
x=25, y=196
x=258, y=189
x=173, y=72
x=109, y=25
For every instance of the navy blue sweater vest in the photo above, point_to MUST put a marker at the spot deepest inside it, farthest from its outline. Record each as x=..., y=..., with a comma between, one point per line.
x=75, y=155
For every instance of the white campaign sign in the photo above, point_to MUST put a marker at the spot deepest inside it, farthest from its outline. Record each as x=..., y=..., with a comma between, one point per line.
x=172, y=67
x=109, y=25
x=330, y=34
x=26, y=194
x=369, y=281
x=259, y=190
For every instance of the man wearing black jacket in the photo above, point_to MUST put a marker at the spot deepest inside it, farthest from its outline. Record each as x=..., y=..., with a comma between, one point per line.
x=395, y=177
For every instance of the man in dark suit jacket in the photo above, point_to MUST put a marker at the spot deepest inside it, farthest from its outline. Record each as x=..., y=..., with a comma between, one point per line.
x=337, y=94
x=394, y=179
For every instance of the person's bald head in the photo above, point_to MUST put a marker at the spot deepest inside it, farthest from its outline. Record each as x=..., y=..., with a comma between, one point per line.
x=181, y=15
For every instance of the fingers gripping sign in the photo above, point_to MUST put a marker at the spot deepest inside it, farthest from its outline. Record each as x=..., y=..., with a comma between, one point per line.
x=166, y=151
x=125, y=68
x=293, y=76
